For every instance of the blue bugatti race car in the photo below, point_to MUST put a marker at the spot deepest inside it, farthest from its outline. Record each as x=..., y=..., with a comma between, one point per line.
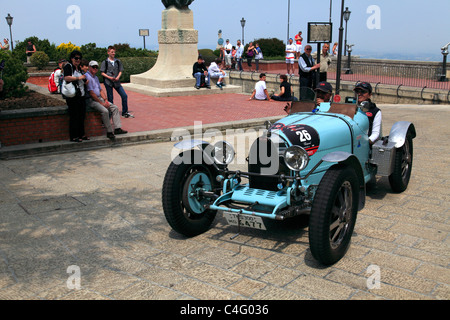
x=317, y=161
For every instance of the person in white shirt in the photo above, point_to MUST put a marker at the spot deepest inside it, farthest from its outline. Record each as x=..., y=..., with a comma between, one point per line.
x=215, y=72
x=363, y=91
x=260, y=91
x=228, y=47
x=291, y=50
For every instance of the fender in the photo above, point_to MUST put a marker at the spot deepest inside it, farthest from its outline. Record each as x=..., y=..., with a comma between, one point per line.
x=399, y=131
x=350, y=159
x=190, y=144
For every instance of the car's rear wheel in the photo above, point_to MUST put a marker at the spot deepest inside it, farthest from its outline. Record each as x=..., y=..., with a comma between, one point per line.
x=399, y=179
x=182, y=199
x=333, y=214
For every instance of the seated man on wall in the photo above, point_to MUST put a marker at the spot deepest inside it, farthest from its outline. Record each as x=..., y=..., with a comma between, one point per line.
x=100, y=103
x=260, y=92
x=215, y=72
x=200, y=72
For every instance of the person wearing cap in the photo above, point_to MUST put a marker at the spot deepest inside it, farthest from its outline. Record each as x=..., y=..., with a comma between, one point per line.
x=363, y=92
x=323, y=91
x=228, y=47
x=199, y=70
x=99, y=102
x=291, y=49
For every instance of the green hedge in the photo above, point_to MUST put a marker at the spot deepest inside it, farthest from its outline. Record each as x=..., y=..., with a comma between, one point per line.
x=131, y=66
x=39, y=59
x=14, y=75
x=135, y=65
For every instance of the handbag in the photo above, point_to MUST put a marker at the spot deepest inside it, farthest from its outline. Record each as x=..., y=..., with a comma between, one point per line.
x=68, y=89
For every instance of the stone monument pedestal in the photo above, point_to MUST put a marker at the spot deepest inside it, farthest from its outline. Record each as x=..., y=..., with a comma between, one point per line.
x=172, y=73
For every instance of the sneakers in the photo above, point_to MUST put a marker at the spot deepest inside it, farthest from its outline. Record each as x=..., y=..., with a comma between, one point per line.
x=120, y=131
x=127, y=115
x=219, y=85
x=110, y=135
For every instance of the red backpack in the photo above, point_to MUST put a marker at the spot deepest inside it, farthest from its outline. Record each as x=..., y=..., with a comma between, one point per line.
x=52, y=84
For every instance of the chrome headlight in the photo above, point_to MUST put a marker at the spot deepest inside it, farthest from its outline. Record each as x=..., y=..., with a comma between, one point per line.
x=296, y=158
x=223, y=153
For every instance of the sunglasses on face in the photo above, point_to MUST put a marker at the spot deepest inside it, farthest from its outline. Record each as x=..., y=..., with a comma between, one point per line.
x=361, y=91
x=94, y=67
x=77, y=58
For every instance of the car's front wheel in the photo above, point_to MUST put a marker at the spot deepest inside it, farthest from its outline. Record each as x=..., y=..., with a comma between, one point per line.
x=333, y=214
x=182, y=196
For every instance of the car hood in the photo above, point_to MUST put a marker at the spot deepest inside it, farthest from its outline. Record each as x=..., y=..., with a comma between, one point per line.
x=318, y=134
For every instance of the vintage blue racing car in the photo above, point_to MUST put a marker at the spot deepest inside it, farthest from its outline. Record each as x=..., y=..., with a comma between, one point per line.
x=316, y=161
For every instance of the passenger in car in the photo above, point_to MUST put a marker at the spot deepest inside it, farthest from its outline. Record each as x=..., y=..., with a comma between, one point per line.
x=323, y=91
x=363, y=91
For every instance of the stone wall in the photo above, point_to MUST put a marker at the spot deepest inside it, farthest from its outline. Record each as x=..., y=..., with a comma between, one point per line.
x=391, y=94
x=43, y=125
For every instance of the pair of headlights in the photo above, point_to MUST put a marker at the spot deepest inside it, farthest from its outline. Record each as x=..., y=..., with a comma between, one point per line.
x=295, y=157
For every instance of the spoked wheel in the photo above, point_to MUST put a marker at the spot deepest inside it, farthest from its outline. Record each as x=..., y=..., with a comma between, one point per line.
x=182, y=198
x=399, y=179
x=333, y=214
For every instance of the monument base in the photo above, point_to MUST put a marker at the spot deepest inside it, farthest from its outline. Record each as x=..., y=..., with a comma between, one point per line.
x=172, y=73
x=180, y=91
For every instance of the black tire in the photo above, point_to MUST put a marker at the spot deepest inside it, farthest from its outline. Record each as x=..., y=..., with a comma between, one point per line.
x=333, y=214
x=180, y=214
x=399, y=179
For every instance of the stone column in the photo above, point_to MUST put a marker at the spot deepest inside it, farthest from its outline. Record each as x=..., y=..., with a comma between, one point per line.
x=177, y=52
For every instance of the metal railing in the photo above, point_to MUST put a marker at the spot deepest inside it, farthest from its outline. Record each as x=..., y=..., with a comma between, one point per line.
x=410, y=75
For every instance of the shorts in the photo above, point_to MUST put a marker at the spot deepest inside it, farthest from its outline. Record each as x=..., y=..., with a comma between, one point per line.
x=291, y=61
x=299, y=48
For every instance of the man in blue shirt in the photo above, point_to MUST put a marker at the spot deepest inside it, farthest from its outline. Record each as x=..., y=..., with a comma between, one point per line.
x=239, y=53
x=99, y=102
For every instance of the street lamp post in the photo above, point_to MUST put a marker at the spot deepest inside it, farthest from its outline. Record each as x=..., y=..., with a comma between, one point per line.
x=289, y=20
x=346, y=18
x=339, y=59
x=9, y=21
x=243, y=26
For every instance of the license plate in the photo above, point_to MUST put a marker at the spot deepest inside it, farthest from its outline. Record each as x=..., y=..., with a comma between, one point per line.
x=253, y=222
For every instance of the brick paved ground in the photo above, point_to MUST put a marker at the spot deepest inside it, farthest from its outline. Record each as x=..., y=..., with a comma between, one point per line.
x=152, y=113
x=101, y=211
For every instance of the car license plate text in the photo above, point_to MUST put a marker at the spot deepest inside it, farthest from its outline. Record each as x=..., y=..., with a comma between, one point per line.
x=253, y=222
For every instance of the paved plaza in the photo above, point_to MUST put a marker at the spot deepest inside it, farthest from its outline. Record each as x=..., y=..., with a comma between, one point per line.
x=90, y=225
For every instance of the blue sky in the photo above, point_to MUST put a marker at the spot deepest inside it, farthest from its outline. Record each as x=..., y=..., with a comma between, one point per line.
x=410, y=28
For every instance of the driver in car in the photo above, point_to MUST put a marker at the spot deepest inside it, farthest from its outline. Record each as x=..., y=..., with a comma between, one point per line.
x=363, y=92
x=324, y=91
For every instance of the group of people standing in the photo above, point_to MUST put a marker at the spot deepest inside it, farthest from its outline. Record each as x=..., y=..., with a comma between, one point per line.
x=89, y=92
x=232, y=56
